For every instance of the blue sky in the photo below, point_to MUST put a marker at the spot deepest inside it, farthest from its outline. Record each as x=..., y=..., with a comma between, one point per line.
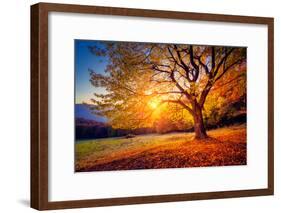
x=85, y=60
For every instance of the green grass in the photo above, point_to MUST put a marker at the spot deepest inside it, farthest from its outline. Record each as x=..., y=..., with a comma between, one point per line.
x=226, y=146
x=107, y=146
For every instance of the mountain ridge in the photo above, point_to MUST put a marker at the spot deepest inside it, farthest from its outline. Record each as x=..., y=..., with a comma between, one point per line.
x=83, y=111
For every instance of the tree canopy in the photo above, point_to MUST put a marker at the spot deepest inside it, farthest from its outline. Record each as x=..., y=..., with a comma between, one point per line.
x=146, y=83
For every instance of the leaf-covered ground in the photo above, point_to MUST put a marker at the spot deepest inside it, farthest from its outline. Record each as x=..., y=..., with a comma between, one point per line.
x=225, y=146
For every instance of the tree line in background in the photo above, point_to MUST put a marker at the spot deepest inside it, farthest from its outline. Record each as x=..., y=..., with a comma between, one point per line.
x=181, y=121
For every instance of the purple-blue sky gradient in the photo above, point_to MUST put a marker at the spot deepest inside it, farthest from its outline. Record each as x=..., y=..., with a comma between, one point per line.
x=85, y=60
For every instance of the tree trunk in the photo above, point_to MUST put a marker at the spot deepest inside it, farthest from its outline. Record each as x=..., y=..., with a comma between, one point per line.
x=199, y=128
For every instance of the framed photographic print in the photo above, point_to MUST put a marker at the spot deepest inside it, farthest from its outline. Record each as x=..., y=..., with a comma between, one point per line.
x=133, y=106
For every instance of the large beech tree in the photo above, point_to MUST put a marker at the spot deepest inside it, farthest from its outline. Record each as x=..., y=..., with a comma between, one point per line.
x=141, y=77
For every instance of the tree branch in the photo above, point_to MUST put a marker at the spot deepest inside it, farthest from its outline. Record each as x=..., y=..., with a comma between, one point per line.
x=195, y=66
x=175, y=60
x=189, y=97
x=213, y=58
x=210, y=83
x=223, y=60
x=204, y=93
x=229, y=67
x=184, y=65
x=230, y=81
x=180, y=103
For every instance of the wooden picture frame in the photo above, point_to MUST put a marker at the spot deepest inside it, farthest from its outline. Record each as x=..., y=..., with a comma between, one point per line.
x=39, y=105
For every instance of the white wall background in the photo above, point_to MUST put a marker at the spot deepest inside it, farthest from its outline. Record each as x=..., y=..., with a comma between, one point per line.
x=14, y=96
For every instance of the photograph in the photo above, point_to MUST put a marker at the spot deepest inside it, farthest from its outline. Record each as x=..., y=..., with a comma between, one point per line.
x=127, y=95
x=156, y=105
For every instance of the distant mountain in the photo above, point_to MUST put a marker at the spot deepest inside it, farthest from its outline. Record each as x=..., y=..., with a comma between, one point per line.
x=82, y=111
x=89, y=123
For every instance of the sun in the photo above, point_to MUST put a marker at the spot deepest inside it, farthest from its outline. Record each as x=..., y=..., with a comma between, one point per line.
x=153, y=104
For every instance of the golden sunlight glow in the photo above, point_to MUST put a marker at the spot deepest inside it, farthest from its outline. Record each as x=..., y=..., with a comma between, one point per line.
x=153, y=104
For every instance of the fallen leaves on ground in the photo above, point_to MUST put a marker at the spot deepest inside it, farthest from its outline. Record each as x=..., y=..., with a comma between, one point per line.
x=224, y=147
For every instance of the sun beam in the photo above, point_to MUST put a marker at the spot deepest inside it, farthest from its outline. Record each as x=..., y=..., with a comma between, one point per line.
x=153, y=104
